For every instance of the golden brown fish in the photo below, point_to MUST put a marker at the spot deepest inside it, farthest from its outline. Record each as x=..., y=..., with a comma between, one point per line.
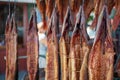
x=52, y=67
x=65, y=43
x=79, y=49
x=102, y=54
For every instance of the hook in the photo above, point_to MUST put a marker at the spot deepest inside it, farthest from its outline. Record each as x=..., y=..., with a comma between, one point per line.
x=9, y=7
x=33, y=4
x=105, y=2
x=69, y=3
x=14, y=5
x=82, y=2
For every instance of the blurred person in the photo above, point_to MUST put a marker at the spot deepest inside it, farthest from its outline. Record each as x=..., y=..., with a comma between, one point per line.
x=42, y=45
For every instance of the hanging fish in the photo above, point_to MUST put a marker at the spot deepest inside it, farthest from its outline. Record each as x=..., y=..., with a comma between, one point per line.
x=98, y=4
x=32, y=48
x=79, y=49
x=65, y=43
x=88, y=7
x=13, y=52
x=75, y=4
x=50, y=4
x=7, y=40
x=116, y=20
x=52, y=67
x=62, y=8
x=101, y=57
x=110, y=5
x=11, y=47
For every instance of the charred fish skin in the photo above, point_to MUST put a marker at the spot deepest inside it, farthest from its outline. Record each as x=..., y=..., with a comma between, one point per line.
x=52, y=53
x=65, y=44
x=32, y=48
x=102, y=50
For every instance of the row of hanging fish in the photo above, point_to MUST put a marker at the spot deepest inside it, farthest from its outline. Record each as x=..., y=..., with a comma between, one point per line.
x=73, y=48
x=11, y=48
x=79, y=61
x=46, y=8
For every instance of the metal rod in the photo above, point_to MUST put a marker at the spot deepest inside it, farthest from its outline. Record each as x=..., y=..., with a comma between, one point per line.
x=20, y=57
x=23, y=57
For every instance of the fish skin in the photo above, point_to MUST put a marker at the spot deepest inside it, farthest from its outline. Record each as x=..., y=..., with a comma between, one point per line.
x=32, y=48
x=50, y=4
x=102, y=54
x=65, y=44
x=52, y=66
x=79, y=49
x=11, y=48
x=62, y=8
